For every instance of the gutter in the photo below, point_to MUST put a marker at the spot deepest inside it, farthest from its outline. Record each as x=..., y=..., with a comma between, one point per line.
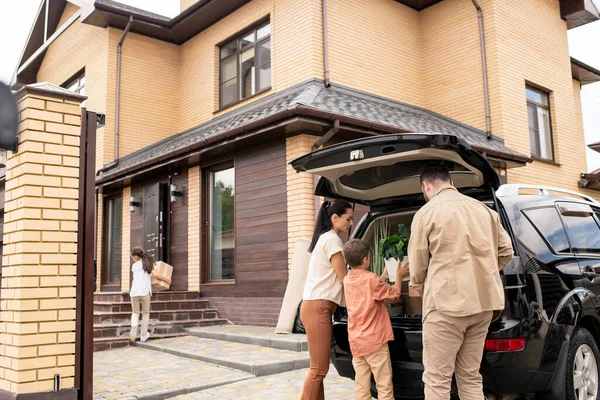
x=488, y=118
x=296, y=110
x=323, y=139
x=118, y=98
x=325, y=44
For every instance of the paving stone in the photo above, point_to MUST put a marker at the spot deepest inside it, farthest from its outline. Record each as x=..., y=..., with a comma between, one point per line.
x=284, y=386
x=150, y=374
x=253, y=359
x=257, y=335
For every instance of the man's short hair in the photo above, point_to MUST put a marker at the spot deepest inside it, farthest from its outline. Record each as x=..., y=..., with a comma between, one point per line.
x=355, y=251
x=434, y=173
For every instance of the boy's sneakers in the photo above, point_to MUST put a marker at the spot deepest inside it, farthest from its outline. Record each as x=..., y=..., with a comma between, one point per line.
x=145, y=337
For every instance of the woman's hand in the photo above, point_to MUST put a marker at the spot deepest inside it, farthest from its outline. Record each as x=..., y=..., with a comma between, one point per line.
x=168, y=280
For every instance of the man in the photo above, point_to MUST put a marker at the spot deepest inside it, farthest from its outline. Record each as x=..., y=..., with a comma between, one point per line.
x=457, y=248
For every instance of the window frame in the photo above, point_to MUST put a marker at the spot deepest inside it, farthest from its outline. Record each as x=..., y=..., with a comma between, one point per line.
x=537, y=105
x=205, y=213
x=105, y=243
x=237, y=54
x=76, y=78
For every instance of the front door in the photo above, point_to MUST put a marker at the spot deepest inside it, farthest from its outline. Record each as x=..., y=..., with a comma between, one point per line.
x=154, y=220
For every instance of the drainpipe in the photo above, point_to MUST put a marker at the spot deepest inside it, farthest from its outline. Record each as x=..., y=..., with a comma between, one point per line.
x=325, y=45
x=118, y=102
x=323, y=139
x=488, y=120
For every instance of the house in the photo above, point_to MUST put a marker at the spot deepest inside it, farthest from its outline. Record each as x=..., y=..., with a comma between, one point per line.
x=200, y=115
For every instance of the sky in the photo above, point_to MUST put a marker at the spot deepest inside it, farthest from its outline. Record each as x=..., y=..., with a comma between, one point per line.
x=16, y=18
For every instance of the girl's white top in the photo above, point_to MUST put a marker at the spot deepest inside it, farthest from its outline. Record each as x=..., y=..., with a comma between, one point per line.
x=142, y=281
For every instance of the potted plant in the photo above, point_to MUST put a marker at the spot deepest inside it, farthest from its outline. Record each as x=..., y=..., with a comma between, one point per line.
x=393, y=249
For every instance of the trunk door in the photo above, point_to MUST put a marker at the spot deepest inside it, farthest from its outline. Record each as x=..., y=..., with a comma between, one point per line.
x=380, y=170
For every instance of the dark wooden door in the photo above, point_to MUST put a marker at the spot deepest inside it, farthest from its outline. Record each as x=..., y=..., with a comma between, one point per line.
x=154, y=220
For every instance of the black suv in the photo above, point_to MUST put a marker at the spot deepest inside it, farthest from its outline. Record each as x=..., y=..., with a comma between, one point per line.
x=545, y=340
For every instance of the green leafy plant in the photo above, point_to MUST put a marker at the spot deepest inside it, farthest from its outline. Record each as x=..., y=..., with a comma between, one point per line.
x=395, y=246
x=382, y=228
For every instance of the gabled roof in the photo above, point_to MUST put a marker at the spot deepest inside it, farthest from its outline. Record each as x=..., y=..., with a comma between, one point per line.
x=312, y=99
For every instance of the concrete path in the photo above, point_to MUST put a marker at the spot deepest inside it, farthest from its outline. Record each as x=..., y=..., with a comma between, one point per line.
x=285, y=386
x=256, y=335
x=256, y=360
x=136, y=373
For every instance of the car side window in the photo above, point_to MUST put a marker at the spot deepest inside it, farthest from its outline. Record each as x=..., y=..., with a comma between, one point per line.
x=584, y=233
x=547, y=222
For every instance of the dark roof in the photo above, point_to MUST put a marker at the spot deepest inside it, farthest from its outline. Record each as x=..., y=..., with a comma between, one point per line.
x=584, y=73
x=594, y=146
x=312, y=99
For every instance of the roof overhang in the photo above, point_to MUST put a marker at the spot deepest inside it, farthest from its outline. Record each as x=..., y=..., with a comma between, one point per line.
x=584, y=73
x=579, y=12
x=590, y=180
x=178, y=30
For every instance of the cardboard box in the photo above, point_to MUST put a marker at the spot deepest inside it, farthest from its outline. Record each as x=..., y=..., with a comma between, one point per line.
x=164, y=269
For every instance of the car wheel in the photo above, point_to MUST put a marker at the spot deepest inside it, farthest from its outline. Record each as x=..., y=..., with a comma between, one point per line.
x=582, y=367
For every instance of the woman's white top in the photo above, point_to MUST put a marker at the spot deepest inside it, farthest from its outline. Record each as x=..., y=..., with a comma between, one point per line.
x=322, y=283
x=142, y=281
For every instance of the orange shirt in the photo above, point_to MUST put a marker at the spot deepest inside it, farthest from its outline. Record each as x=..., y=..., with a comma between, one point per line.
x=369, y=326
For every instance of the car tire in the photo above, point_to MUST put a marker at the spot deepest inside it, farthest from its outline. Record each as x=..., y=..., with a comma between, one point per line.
x=583, y=370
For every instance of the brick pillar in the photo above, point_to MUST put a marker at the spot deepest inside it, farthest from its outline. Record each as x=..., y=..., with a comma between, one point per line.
x=40, y=245
x=300, y=193
x=194, y=229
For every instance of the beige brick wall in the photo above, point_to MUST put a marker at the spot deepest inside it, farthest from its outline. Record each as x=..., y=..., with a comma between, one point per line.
x=183, y=4
x=300, y=193
x=40, y=243
x=80, y=47
x=126, y=242
x=375, y=46
x=193, y=196
x=149, y=92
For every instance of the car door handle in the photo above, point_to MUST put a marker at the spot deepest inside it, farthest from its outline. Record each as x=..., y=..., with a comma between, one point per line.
x=591, y=275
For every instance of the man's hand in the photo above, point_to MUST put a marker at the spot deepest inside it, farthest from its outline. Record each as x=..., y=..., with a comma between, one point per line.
x=384, y=277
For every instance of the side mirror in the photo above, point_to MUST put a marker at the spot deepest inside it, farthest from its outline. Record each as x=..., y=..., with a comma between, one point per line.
x=9, y=119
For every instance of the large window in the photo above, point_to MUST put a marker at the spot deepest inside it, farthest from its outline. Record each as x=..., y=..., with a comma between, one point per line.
x=77, y=84
x=540, y=131
x=584, y=233
x=245, y=65
x=221, y=223
x=112, y=251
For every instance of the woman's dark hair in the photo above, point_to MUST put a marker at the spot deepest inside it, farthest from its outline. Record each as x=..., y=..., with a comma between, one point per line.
x=328, y=209
x=147, y=260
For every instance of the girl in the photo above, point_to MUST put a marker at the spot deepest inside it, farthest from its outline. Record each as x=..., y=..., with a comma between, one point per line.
x=141, y=291
x=323, y=290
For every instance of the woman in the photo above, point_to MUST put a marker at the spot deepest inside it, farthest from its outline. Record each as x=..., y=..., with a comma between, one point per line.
x=141, y=291
x=323, y=291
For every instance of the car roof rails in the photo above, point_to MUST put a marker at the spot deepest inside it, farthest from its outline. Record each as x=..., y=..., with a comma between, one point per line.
x=514, y=188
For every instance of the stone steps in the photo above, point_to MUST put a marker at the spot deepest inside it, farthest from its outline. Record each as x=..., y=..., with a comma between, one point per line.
x=163, y=316
x=254, y=359
x=260, y=336
x=157, y=305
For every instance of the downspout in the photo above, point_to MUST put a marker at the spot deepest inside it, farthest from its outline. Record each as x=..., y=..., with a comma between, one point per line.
x=488, y=119
x=118, y=101
x=325, y=45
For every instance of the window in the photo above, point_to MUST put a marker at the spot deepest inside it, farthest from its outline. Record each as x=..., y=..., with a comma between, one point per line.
x=540, y=131
x=77, y=84
x=547, y=222
x=221, y=223
x=245, y=65
x=584, y=233
x=113, y=226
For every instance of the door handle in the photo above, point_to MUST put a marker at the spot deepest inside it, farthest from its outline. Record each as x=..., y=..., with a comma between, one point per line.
x=590, y=273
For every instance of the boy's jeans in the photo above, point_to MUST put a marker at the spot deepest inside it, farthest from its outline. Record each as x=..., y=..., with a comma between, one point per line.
x=380, y=365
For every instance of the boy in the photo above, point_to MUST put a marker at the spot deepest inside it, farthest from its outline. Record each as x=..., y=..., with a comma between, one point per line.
x=369, y=326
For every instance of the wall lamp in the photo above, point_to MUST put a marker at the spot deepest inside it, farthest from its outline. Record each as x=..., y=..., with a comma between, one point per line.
x=174, y=193
x=133, y=203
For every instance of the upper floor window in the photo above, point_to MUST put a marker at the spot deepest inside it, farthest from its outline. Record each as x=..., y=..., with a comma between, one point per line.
x=245, y=67
x=77, y=84
x=540, y=131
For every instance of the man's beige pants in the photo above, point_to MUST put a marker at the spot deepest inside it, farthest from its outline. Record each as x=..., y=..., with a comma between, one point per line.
x=138, y=302
x=454, y=345
x=380, y=365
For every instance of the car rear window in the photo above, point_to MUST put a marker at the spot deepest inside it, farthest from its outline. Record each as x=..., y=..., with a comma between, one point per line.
x=584, y=233
x=547, y=223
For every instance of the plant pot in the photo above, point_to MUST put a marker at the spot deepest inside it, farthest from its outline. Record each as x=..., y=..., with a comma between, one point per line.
x=391, y=264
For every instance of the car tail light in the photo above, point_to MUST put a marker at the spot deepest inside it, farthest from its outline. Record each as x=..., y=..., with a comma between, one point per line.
x=505, y=345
